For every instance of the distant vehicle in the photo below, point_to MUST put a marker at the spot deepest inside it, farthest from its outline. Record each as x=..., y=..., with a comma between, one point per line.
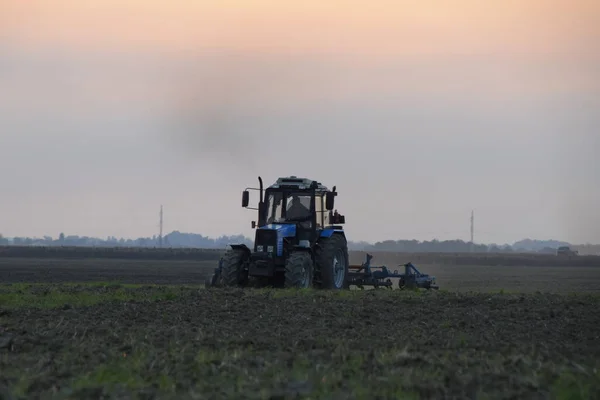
x=566, y=251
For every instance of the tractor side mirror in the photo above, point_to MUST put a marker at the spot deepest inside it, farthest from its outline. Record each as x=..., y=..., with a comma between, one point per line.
x=253, y=224
x=245, y=198
x=330, y=201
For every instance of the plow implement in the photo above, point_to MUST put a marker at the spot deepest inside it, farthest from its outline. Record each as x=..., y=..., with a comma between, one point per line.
x=368, y=275
x=215, y=279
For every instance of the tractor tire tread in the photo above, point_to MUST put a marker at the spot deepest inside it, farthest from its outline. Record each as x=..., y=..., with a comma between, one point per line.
x=232, y=273
x=325, y=252
x=294, y=276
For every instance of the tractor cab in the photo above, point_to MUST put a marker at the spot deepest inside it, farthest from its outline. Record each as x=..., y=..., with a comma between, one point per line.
x=297, y=229
x=301, y=209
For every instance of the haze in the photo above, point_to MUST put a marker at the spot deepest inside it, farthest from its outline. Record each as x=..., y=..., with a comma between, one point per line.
x=418, y=111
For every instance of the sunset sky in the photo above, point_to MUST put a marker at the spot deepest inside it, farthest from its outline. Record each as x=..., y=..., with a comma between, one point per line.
x=420, y=111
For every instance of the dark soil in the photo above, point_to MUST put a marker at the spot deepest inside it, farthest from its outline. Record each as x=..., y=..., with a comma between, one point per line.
x=56, y=270
x=482, y=278
x=262, y=344
x=199, y=255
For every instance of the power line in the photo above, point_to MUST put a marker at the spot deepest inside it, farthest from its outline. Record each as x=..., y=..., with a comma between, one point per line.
x=472, y=230
x=160, y=235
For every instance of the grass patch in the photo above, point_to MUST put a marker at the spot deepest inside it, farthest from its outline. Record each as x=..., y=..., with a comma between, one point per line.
x=571, y=387
x=234, y=372
x=47, y=296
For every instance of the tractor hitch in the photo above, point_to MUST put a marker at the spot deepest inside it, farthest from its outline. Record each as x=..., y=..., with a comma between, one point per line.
x=215, y=279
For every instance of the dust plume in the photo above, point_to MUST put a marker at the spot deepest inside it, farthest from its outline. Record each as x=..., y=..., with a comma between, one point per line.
x=217, y=107
x=241, y=103
x=205, y=115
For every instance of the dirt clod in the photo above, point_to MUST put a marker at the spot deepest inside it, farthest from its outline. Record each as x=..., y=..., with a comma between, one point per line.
x=5, y=340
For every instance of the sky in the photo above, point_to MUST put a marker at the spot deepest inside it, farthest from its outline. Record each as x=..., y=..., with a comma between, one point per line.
x=418, y=111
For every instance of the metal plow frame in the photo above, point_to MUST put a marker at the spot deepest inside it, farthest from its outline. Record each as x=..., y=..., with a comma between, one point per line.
x=368, y=275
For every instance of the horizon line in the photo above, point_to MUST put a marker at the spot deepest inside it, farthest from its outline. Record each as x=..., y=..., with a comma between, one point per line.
x=249, y=238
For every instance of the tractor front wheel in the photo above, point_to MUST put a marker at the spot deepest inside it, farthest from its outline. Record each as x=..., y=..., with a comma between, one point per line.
x=298, y=270
x=233, y=272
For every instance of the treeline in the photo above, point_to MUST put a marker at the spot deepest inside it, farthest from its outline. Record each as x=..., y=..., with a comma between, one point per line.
x=180, y=240
x=434, y=246
x=548, y=247
x=174, y=239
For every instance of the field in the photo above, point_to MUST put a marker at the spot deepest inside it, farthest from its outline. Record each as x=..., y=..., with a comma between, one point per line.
x=489, y=273
x=193, y=254
x=74, y=326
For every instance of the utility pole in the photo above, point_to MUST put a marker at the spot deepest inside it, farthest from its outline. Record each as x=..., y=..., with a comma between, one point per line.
x=160, y=235
x=472, y=229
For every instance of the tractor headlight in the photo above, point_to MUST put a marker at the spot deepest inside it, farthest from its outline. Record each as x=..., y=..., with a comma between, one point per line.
x=269, y=249
x=260, y=249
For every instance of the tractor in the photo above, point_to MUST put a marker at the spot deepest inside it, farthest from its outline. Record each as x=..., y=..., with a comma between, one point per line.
x=299, y=241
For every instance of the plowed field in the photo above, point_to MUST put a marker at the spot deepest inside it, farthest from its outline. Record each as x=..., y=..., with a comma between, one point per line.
x=69, y=341
x=486, y=278
x=492, y=332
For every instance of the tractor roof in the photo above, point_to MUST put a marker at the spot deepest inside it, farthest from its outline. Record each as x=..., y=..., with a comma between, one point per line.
x=297, y=183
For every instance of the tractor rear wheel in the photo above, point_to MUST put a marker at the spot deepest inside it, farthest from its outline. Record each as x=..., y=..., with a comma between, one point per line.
x=233, y=273
x=332, y=262
x=298, y=270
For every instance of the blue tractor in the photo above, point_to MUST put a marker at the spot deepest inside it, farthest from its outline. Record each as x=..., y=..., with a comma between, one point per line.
x=299, y=241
